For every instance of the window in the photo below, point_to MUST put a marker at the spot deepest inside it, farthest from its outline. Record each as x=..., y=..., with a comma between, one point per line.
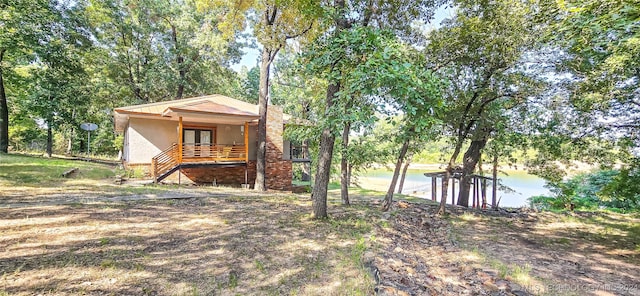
x=198, y=142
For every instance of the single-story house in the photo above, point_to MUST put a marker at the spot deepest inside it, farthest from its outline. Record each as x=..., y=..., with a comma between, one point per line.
x=207, y=139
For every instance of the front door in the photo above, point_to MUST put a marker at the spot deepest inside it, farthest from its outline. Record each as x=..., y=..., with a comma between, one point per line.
x=197, y=142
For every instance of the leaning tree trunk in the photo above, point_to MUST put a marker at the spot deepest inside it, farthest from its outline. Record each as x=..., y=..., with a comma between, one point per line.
x=445, y=187
x=469, y=162
x=388, y=198
x=483, y=183
x=327, y=140
x=263, y=98
x=404, y=174
x=447, y=174
x=4, y=112
x=344, y=165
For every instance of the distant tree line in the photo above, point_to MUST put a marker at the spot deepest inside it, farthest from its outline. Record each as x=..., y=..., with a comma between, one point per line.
x=552, y=82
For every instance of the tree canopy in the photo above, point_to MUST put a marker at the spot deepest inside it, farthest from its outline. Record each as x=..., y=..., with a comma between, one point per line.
x=558, y=79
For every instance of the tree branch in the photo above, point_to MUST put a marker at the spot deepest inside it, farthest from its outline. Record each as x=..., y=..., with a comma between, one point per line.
x=271, y=18
x=273, y=53
x=300, y=33
x=476, y=94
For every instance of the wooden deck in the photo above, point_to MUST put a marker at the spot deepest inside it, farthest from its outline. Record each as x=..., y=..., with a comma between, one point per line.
x=195, y=155
x=213, y=153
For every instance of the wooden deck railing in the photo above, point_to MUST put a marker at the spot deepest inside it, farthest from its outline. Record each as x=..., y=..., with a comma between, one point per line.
x=198, y=152
x=165, y=161
x=169, y=158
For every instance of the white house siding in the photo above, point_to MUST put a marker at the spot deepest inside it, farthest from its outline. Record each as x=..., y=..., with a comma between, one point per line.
x=125, y=147
x=148, y=137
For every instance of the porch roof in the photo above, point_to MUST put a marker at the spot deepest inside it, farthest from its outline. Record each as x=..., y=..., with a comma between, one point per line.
x=203, y=108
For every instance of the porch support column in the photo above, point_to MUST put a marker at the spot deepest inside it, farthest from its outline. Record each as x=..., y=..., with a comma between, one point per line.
x=246, y=142
x=180, y=139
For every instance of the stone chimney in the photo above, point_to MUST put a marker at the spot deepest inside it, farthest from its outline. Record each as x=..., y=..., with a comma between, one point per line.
x=277, y=171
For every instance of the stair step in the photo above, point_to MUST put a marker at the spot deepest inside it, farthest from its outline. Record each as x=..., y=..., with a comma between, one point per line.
x=166, y=174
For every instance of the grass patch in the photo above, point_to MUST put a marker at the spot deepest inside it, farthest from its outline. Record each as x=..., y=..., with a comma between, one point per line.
x=38, y=179
x=519, y=274
x=263, y=245
x=20, y=170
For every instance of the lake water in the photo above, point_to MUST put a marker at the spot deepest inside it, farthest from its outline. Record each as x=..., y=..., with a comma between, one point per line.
x=524, y=185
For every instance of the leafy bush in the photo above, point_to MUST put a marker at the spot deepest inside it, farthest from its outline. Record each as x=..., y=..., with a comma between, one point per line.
x=617, y=190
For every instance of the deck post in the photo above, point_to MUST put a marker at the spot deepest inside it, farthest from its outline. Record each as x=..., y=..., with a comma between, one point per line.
x=484, y=193
x=477, y=186
x=476, y=193
x=444, y=190
x=154, y=165
x=453, y=191
x=179, y=139
x=473, y=194
x=246, y=142
x=434, y=186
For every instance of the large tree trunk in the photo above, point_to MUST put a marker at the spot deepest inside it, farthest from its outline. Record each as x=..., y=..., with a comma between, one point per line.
x=404, y=174
x=4, y=111
x=72, y=132
x=388, y=198
x=49, y=137
x=344, y=165
x=306, y=166
x=263, y=98
x=349, y=170
x=131, y=77
x=327, y=140
x=180, y=61
x=70, y=143
x=469, y=162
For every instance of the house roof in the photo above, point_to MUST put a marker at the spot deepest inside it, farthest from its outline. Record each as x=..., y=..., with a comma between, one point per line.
x=217, y=105
x=160, y=107
x=208, y=107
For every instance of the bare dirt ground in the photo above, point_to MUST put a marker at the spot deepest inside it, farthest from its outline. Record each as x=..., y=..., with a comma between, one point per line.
x=557, y=254
x=223, y=241
x=190, y=246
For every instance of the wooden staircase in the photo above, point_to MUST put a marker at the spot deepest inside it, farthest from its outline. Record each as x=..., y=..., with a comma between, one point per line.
x=165, y=163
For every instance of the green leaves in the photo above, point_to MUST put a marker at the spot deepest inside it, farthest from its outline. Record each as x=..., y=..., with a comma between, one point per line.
x=377, y=74
x=602, y=39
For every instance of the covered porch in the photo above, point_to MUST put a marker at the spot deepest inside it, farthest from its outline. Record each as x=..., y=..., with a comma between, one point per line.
x=208, y=140
x=208, y=135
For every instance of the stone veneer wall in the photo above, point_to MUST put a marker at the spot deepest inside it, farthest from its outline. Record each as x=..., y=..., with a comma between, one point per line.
x=277, y=171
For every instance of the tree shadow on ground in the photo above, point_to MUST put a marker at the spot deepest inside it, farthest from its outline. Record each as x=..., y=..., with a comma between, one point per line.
x=195, y=246
x=563, y=250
